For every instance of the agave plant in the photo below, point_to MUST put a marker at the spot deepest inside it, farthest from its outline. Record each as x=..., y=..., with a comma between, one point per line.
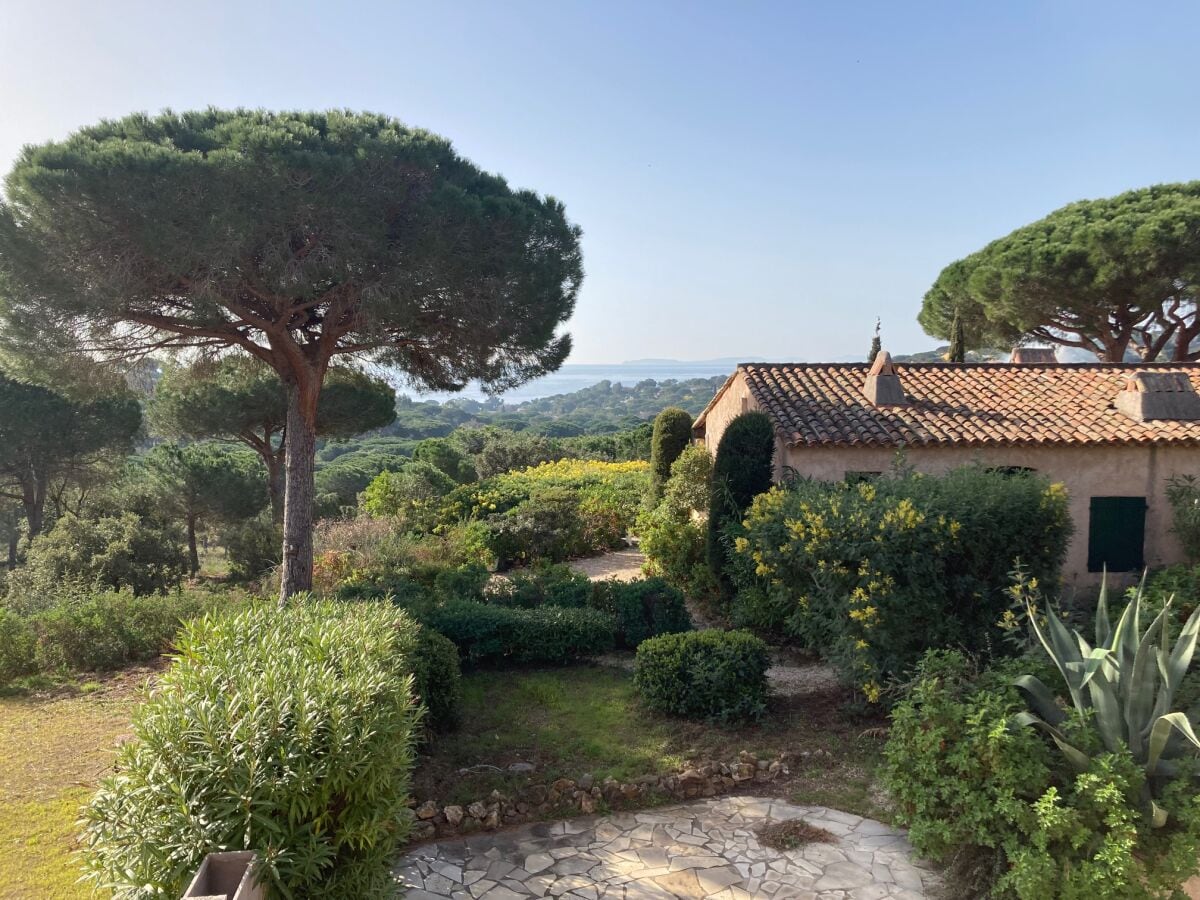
x=1128, y=681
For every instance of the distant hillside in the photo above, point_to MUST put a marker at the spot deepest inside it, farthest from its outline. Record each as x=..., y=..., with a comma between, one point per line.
x=939, y=355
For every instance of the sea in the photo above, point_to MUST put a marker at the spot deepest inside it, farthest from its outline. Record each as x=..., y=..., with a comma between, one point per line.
x=574, y=377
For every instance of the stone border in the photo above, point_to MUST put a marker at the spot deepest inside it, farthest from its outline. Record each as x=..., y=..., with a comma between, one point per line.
x=536, y=801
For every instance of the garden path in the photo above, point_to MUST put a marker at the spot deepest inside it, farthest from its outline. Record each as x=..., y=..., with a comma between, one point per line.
x=788, y=677
x=705, y=849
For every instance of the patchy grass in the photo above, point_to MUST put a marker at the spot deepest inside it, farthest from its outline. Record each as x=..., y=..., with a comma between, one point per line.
x=792, y=833
x=588, y=719
x=54, y=747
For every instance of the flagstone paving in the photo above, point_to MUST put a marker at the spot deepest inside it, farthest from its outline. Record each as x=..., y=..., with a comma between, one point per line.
x=706, y=849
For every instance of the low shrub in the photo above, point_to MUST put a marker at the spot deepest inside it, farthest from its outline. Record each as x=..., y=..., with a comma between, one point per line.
x=675, y=550
x=79, y=628
x=289, y=732
x=718, y=676
x=253, y=547
x=123, y=551
x=999, y=805
x=875, y=573
x=642, y=608
x=487, y=634
x=542, y=584
x=1183, y=493
x=436, y=679
x=466, y=582
x=1180, y=585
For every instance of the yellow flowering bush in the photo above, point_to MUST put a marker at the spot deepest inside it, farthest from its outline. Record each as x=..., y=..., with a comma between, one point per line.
x=875, y=573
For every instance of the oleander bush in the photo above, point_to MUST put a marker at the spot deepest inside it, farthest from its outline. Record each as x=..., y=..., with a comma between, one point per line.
x=642, y=608
x=487, y=634
x=717, y=676
x=998, y=804
x=286, y=731
x=874, y=573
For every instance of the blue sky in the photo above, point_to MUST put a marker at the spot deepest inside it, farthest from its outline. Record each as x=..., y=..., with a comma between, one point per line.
x=753, y=179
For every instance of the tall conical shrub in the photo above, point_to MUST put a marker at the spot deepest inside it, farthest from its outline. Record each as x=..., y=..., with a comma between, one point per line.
x=741, y=471
x=672, y=433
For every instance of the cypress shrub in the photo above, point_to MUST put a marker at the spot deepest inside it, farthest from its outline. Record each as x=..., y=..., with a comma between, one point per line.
x=741, y=471
x=436, y=679
x=672, y=433
x=289, y=732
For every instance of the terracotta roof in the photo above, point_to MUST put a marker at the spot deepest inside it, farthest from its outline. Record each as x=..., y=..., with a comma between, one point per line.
x=958, y=403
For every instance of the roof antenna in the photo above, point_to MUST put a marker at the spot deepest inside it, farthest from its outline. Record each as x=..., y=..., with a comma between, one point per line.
x=876, y=344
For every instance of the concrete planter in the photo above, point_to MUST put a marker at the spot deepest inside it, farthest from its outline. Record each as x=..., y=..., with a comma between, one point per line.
x=225, y=876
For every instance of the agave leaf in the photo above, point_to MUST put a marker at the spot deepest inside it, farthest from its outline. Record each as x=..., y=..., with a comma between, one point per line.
x=1078, y=760
x=1162, y=730
x=1125, y=635
x=1064, y=650
x=1158, y=815
x=1041, y=698
x=1139, y=692
x=1109, y=721
x=1185, y=648
x=1103, y=626
x=1092, y=664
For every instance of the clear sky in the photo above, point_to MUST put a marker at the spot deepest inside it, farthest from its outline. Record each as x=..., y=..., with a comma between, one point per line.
x=753, y=179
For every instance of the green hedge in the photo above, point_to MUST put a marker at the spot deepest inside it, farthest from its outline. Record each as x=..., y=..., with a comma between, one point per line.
x=875, y=573
x=289, y=732
x=82, y=629
x=493, y=635
x=718, y=676
x=437, y=679
x=741, y=471
x=642, y=608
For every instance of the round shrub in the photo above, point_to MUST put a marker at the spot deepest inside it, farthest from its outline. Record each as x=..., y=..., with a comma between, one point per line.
x=487, y=634
x=741, y=471
x=253, y=547
x=717, y=676
x=642, y=608
x=286, y=731
x=437, y=679
x=542, y=584
x=672, y=433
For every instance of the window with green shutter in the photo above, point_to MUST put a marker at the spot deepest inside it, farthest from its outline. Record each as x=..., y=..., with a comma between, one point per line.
x=1116, y=534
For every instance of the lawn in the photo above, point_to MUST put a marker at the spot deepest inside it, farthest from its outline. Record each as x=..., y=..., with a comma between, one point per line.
x=54, y=747
x=587, y=719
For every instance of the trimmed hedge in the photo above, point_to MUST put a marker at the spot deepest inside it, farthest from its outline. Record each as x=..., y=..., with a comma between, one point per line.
x=672, y=433
x=486, y=634
x=718, y=676
x=741, y=471
x=286, y=731
x=642, y=608
x=437, y=679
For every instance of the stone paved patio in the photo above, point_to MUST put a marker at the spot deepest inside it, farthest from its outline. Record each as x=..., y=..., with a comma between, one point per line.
x=705, y=849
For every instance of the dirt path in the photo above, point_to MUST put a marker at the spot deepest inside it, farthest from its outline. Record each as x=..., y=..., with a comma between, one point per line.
x=623, y=565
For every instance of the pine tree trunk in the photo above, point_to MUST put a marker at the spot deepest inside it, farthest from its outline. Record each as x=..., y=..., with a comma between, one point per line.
x=193, y=554
x=299, y=489
x=275, y=483
x=13, y=538
x=33, y=499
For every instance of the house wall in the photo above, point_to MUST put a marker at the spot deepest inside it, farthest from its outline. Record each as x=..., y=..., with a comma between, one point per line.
x=1085, y=471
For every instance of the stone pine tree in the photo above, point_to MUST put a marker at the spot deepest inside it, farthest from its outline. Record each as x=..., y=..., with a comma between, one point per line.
x=742, y=470
x=295, y=238
x=672, y=433
x=46, y=438
x=241, y=399
x=876, y=344
x=1109, y=276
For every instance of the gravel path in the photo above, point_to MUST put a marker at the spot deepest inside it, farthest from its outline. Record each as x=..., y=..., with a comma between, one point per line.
x=788, y=678
x=706, y=849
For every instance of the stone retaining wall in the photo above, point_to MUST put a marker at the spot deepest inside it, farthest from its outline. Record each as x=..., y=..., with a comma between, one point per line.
x=539, y=800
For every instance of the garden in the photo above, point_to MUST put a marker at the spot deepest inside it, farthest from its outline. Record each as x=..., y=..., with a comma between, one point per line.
x=237, y=615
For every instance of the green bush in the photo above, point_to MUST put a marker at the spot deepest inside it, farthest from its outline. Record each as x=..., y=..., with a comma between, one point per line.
x=408, y=493
x=497, y=635
x=672, y=433
x=875, y=573
x=253, y=547
x=671, y=535
x=437, y=679
x=718, y=676
x=1001, y=808
x=642, y=608
x=1183, y=493
x=1180, y=585
x=125, y=551
x=17, y=643
x=465, y=582
x=286, y=731
x=741, y=471
x=542, y=584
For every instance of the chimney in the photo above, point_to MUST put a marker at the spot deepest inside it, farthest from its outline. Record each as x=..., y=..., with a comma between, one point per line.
x=883, y=386
x=1033, y=355
x=1159, y=396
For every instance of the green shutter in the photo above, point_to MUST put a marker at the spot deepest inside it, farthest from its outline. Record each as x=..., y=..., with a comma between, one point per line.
x=1116, y=534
